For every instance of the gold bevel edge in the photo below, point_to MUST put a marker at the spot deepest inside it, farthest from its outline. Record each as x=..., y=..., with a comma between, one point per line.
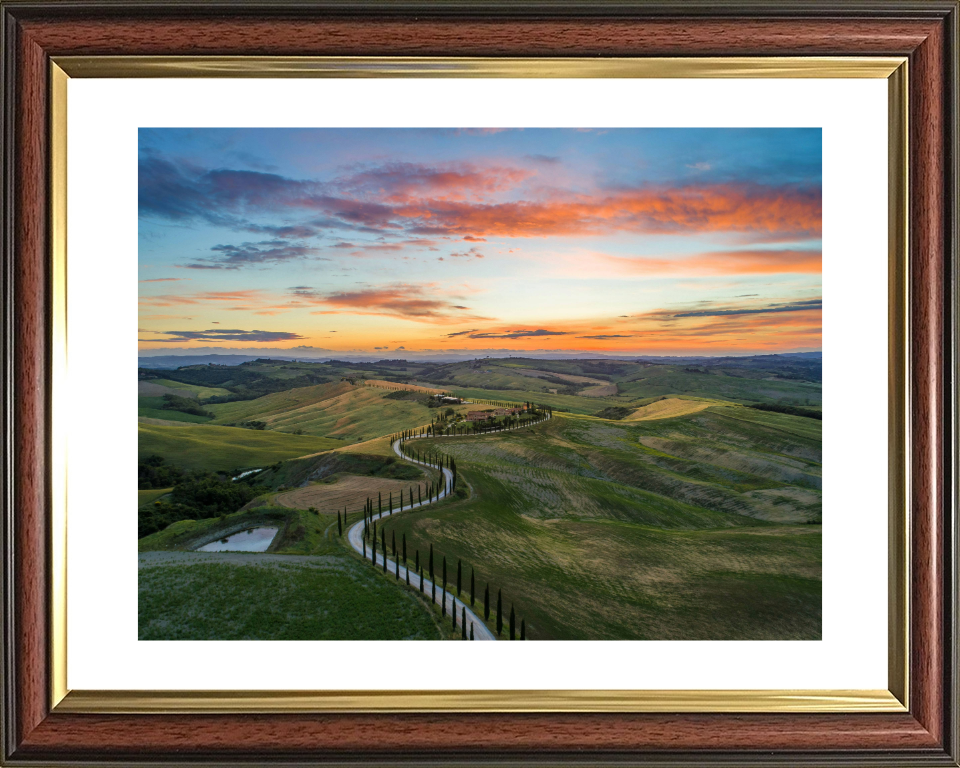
x=439, y=67
x=898, y=205
x=237, y=702
x=58, y=370
x=121, y=702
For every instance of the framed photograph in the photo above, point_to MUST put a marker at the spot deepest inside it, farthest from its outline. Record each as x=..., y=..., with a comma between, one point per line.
x=619, y=337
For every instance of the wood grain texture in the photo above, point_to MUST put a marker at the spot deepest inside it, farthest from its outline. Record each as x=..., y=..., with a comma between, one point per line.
x=930, y=352
x=29, y=389
x=453, y=37
x=877, y=739
x=460, y=735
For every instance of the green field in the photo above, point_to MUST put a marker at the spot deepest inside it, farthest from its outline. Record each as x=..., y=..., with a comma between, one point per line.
x=152, y=408
x=696, y=527
x=332, y=595
x=201, y=392
x=207, y=447
x=343, y=411
x=148, y=497
x=340, y=599
x=751, y=380
x=666, y=523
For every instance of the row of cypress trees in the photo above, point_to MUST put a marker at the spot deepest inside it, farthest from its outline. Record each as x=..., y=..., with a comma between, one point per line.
x=418, y=569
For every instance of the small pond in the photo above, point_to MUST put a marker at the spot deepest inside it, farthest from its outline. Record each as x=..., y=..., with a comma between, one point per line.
x=250, y=540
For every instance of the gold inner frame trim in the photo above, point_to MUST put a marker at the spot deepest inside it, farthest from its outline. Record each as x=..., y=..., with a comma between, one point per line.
x=433, y=67
x=893, y=69
x=237, y=702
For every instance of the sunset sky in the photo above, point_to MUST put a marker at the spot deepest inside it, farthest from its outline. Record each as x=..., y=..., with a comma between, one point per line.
x=388, y=242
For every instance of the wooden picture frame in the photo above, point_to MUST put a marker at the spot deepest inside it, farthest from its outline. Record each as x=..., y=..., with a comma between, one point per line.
x=41, y=726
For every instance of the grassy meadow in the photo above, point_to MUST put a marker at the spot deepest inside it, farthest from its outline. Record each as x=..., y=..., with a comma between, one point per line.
x=207, y=447
x=342, y=410
x=329, y=595
x=698, y=527
x=669, y=510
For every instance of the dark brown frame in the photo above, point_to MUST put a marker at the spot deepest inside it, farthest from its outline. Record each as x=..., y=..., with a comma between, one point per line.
x=925, y=32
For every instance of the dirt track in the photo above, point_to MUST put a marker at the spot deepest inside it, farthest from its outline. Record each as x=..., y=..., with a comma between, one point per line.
x=350, y=491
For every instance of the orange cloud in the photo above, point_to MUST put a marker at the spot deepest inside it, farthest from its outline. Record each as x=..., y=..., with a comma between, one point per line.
x=729, y=208
x=409, y=302
x=740, y=262
x=173, y=299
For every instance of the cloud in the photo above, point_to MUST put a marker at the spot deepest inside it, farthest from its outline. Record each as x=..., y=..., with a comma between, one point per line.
x=740, y=262
x=411, y=302
x=473, y=253
x=747, y=208
x=472, y=239
x=223, y=334
x=401, y=182
x=461, y=333
x=795, y=306
x=700, y=166
x=251, y=254
x=603, y=337
x=164, y=279
x=545, y=159
x=459, y=200
x=517, y=334
x=173, y=299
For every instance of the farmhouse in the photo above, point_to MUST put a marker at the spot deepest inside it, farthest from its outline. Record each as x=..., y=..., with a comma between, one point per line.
x=479, y=415
x=508, y=411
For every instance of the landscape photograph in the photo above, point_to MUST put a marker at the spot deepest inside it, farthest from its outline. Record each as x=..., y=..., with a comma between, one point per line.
x=479, y=384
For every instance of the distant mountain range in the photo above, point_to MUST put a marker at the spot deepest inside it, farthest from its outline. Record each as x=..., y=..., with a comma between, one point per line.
x=176, y=361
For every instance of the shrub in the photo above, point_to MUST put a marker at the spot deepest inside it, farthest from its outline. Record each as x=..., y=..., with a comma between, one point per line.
x=184, y=405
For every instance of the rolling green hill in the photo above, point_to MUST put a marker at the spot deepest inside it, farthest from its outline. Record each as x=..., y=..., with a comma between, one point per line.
x=329, y=596
x=207, y=447
x=202, y=393
x=342, y=410
x=694, y=527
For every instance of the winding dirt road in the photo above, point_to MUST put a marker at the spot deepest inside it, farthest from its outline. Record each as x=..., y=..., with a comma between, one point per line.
x=355, y=537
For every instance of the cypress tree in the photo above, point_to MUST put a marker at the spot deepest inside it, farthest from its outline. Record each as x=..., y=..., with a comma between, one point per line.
x=406, y=573
x=419, y=497
x=523, y=629
x=443, y=601
x=444, y=573
x=397, y=561
x=471, y=630
x=459, y=577
x=499, y=612
x=418, y=559
x=364, y=549
x=473, y=588
x=374, y=530
x=390, y=509
x=486, y=603
x=339, y=525
x=513, y=624
x=463, y=624
x=383, y=541
x=453, y=612
x=421, y=580
x=373, y=550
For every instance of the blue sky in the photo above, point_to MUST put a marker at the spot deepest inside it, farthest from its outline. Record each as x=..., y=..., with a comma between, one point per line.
x=622, y=241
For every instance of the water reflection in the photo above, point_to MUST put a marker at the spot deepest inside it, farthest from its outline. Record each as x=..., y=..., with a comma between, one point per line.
x=250, y=540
